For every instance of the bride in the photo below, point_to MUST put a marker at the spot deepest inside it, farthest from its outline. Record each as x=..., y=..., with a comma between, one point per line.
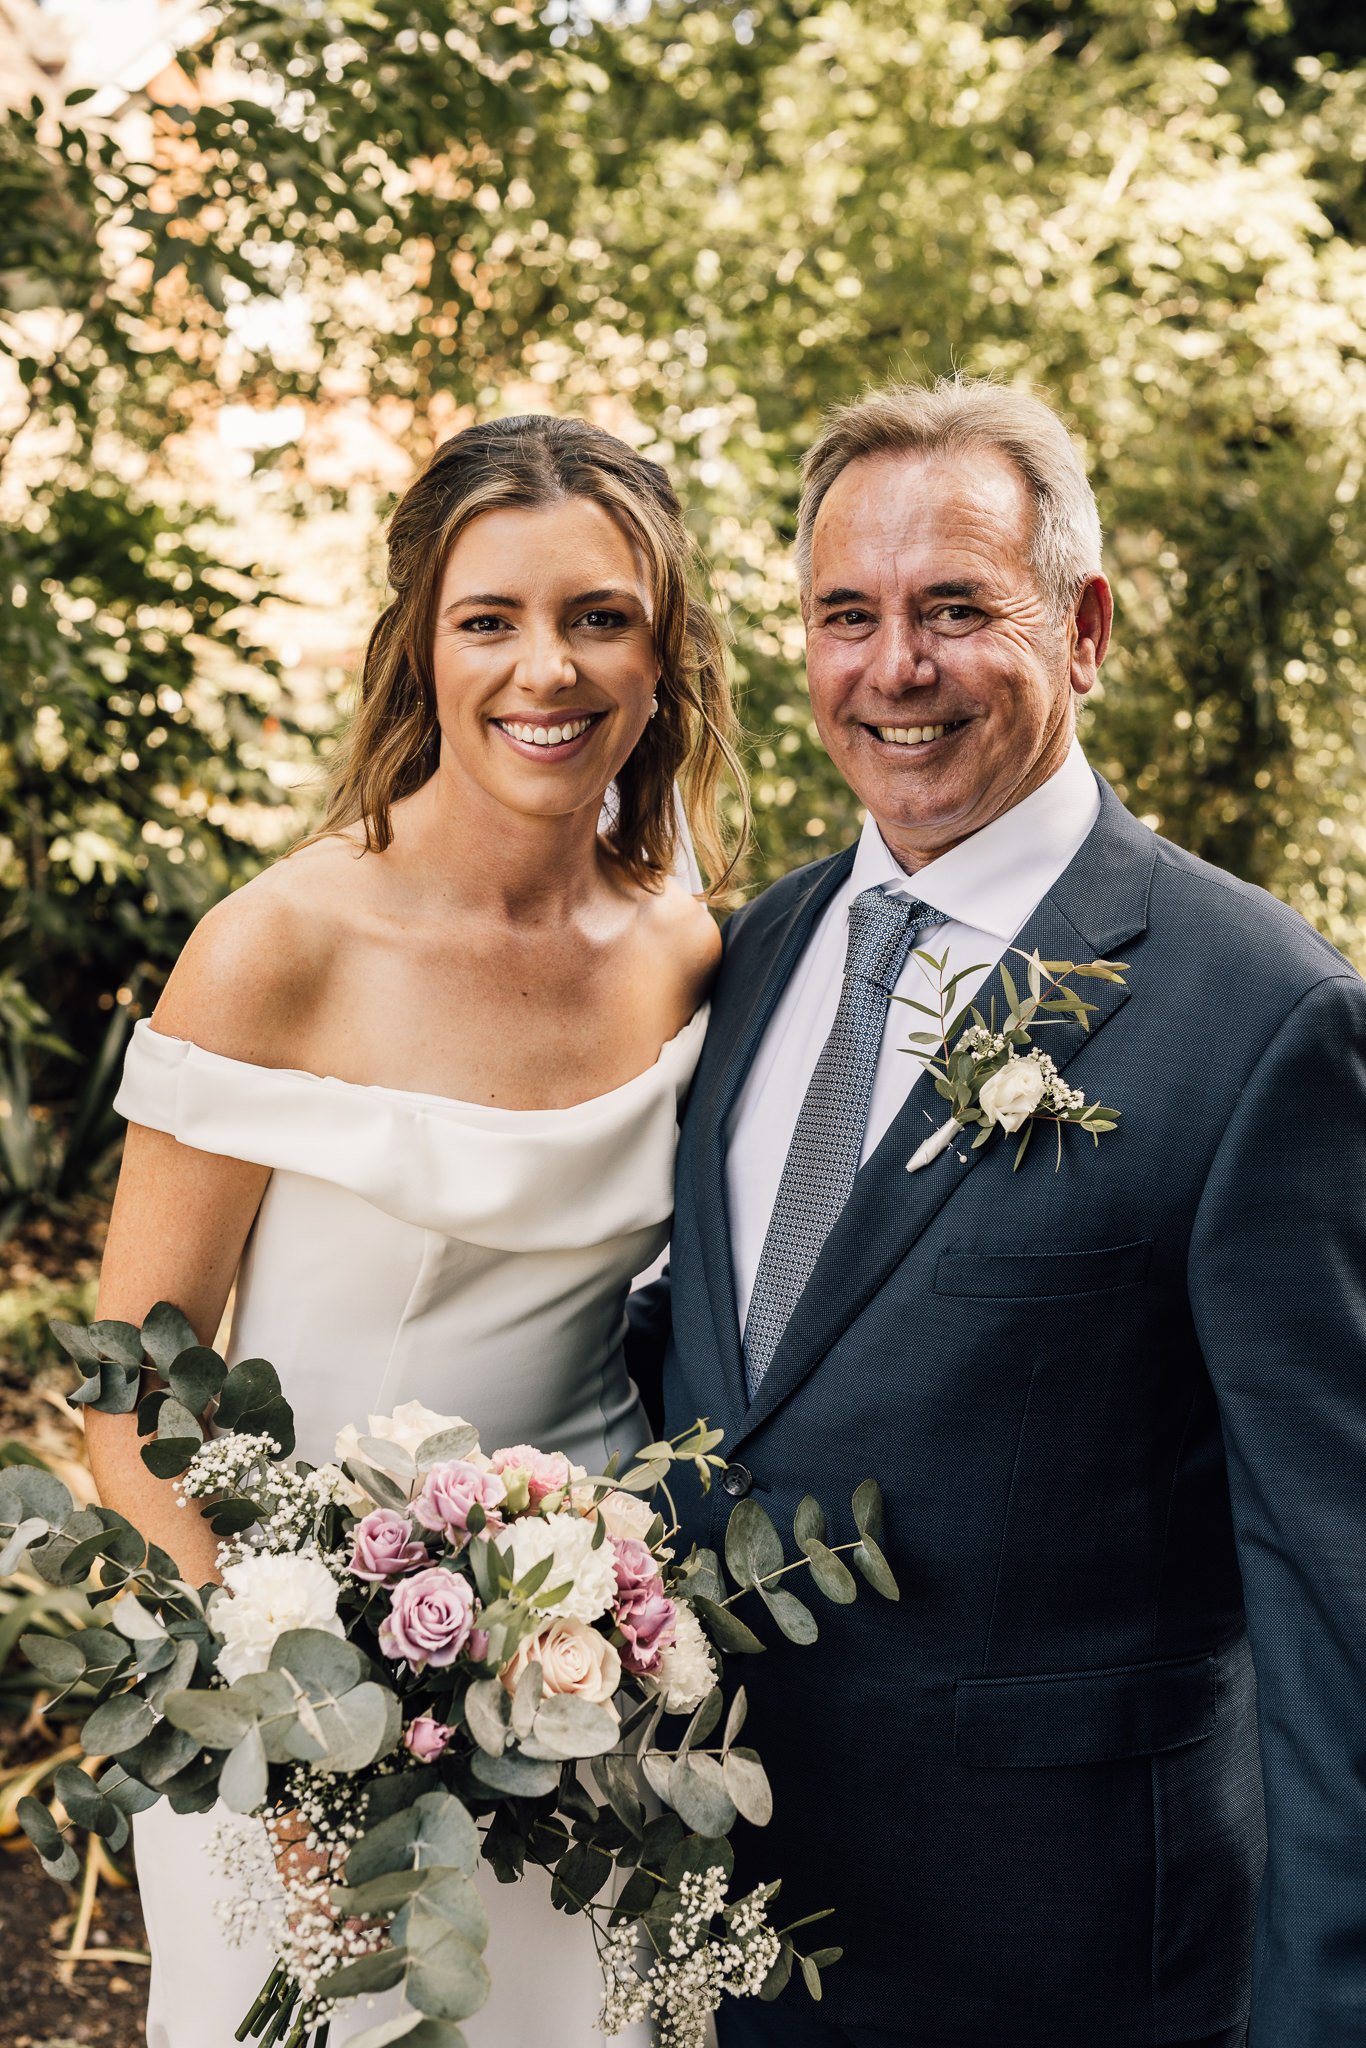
x=415, y=1089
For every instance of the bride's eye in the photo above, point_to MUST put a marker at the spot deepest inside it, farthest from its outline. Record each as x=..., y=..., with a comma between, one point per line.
x=485, y=622
x=603, y=620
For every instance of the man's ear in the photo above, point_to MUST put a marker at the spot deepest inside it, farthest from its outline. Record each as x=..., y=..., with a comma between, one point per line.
x=1091, y=622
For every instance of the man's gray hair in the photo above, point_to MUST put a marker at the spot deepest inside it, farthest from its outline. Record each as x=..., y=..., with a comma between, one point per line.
x=955, y=414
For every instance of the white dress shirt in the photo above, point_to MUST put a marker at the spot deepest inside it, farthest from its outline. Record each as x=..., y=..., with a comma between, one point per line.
x=987, y=887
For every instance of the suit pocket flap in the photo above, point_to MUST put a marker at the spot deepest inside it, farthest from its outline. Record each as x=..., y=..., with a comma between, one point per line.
x=1084, y=1717
x=1016, y=1275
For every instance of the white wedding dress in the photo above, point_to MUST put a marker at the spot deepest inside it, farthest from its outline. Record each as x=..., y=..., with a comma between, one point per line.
x=410, y=1247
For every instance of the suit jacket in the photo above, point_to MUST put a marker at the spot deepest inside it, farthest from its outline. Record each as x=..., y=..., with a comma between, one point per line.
x=1118, y=1412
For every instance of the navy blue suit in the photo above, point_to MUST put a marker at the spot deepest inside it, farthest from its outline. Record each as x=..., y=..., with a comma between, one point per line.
x=1118, y=1412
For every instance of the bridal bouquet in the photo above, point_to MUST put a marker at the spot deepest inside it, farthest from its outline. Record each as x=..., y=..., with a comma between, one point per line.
x=422, y=1654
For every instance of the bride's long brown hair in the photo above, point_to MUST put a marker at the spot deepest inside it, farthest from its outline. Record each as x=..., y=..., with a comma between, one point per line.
x=392, y=744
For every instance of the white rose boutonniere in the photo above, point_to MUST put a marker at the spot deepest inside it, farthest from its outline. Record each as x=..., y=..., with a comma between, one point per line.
x=1000, y=1080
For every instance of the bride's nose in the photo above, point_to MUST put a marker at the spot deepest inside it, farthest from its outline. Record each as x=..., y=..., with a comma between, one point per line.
x=543, y=661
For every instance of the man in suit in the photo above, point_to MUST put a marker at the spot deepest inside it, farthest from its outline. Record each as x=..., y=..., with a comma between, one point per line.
x=1099, y=1778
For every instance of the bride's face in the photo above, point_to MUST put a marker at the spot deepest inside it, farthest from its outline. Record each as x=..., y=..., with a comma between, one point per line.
x=544, y=656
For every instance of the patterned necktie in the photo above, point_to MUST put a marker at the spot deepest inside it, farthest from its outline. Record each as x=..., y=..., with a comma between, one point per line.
x=828, y=1140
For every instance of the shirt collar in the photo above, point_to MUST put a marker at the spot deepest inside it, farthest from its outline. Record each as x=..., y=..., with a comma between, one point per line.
x=993, y=880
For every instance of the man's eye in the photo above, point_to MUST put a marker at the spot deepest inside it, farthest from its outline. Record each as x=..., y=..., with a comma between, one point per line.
x=849, y=618
x=958, y=614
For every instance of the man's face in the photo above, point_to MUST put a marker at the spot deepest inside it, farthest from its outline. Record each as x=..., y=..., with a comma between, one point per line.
x=941, y=681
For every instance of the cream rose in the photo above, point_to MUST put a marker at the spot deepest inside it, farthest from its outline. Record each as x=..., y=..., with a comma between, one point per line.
x=627, y=1516
x=573, y=1659
x=1013, y=1093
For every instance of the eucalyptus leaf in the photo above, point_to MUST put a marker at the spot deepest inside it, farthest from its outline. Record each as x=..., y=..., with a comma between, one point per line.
x=216, y=1720
x=727, y=1630
x=65, y=1868
x=175, y=1675
x=58, y=1659
x=831, y=1574
x=168, y=1457
x=195, y=1380
x=568, y=1726
x=12, y=1556
x=704, y=1719
x=868, y=1509
x=698, y=1795
x=129, y=1794
x=447, y=1443
x=380, y=1487
x=735, y=1719
x=445, y=1899
x=105, y=1654
x=450, y=1980
x=32, y=1493
x=166, y=1336
x=747, y=1783
x=366, y=1976
x=245, y=1777
x=86, y=1805
x=324, y=1665
x=754, y=1548
x=808, y=1524
x=792, y=1615
x=811, y=1977
x=488, y=1715
x=360, y=1727
x=162, y=1756
x=137, y=1622
x=615, y=1780
x=876, y=1569
x=435, y=1830
x=526, y=1699
x=387, y=1456
x=120, y=1724
x=378, y=1895
x=656, y=1768
x=175, y=1420
x=38, y=1824
x=523, y=1776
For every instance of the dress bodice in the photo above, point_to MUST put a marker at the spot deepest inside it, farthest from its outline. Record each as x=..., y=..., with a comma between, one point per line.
x=410, y=1246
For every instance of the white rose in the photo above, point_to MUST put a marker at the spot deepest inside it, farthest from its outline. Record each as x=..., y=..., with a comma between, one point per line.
x=573, y=1658
x=687, y=1671
x=263, y=1598
x=409, y=1427
x=1013, y=1093
x=568, y=1539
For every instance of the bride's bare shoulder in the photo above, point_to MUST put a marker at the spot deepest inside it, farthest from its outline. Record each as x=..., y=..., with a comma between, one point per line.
x=259, y=963
x=687, y=936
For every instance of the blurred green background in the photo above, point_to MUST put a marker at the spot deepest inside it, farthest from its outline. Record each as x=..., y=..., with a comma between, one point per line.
x=241, y=296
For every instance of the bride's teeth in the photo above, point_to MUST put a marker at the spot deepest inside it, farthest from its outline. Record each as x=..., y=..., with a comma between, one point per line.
x=545, y=735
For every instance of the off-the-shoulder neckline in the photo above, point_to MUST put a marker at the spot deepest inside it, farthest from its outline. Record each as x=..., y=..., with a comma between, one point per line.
x=417, y=1096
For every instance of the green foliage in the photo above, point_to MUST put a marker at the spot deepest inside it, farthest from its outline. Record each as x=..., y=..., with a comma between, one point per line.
x=704, y=224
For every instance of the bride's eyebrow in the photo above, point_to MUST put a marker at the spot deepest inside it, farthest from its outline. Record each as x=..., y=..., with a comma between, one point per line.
x=506, y=604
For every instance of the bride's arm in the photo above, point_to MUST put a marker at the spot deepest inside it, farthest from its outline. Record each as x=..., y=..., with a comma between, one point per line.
x=180, y=1221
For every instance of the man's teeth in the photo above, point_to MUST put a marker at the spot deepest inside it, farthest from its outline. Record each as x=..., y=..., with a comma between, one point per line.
x=912, y=735
x=546, y=735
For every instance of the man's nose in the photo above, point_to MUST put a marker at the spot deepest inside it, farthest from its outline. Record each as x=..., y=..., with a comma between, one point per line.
x=904, y=657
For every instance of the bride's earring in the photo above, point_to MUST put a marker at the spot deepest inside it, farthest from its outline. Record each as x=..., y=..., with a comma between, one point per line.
x=654, y=706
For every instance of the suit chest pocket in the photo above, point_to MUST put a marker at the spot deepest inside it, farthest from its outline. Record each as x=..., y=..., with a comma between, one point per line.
x=1041, y=1276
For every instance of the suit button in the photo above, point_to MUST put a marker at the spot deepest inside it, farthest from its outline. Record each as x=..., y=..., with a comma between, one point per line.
x=737, y=1480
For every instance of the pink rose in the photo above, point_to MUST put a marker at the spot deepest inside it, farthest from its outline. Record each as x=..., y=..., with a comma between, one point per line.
x=649, y=1622
x=635, y=1565
x=426, y=1738
x=429, y=1619
x=644, y=1612
x=451, y=1490
x=384, y=1546
x=540, y=1472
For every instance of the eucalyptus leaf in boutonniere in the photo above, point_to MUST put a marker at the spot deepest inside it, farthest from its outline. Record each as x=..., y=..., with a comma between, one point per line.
x=999, y=1079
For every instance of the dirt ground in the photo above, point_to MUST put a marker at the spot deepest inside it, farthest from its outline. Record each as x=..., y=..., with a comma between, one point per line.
x=105, y=2004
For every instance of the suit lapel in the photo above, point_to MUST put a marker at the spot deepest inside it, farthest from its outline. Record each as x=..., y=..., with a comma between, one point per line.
x=755, y=980
x=1099, y=904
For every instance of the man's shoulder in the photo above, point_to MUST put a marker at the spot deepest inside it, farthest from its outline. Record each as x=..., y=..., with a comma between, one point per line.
x=1238, y=929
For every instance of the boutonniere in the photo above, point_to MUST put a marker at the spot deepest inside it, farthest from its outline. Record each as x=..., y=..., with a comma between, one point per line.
x=999, y=1078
